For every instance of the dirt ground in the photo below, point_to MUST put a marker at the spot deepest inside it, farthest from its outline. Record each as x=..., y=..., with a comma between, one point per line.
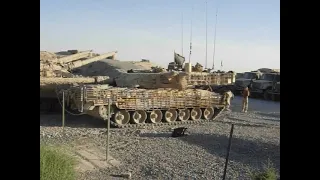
x=153, y=154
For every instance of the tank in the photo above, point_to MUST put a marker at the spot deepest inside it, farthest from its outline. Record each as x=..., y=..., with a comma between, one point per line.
x=56, y=74
x=140, y=98
x=134, y=107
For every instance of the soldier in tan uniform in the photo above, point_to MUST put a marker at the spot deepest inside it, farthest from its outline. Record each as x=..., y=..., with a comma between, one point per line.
x=229, y=96
x=245, y=95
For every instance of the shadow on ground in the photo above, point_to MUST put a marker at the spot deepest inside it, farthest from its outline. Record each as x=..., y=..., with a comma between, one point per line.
x=252, y=153
x=83, y=121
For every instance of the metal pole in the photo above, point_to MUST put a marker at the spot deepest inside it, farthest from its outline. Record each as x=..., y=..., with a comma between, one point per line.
x=191, y=37
x=182, y=34
x=214, y=40
x=227, y=157
x=63, y=110
x=108, y=128
x=206, y=66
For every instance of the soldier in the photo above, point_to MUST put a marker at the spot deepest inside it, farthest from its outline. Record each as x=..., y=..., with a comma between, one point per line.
x=229, y=96
x=245, y=95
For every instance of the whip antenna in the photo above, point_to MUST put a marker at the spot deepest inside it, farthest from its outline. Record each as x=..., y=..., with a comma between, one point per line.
x=206, y=66
x=191, y=37
x=214, y=41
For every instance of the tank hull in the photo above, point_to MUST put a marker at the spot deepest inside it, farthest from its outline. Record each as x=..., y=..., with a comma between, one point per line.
x=132, y=107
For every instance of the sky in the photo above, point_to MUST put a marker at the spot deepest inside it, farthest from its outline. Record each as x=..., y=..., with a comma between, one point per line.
x=247, y=31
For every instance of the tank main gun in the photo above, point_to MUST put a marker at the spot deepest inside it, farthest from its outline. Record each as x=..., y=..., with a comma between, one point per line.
x=73, y=57
x=79, y=63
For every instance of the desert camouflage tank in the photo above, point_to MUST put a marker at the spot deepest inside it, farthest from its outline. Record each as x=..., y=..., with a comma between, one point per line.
x=140, y=98
x=56, y=74
x=133, y=107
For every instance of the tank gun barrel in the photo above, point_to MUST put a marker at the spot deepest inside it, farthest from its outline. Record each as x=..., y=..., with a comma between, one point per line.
x=45, y=81
x=79, y=63
x=52, y=82
x=73, y=57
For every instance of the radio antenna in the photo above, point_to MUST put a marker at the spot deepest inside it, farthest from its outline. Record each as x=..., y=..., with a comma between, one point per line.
x=214, y=41
x=191, y=37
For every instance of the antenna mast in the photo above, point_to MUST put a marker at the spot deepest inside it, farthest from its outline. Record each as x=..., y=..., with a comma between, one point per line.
x=214, y=41
x=206, y=66
x=191, y=37
x=182, y=33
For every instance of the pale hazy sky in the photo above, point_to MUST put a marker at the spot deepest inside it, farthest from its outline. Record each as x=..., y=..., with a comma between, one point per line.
x=248, y=31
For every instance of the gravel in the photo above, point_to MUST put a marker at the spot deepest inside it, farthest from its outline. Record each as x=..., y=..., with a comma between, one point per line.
x=153, y=154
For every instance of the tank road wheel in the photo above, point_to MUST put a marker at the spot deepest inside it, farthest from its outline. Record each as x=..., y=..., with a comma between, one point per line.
x=138, y=117
x=170, y=115
x=183, y=114
x=155, y=116
x=99, y=112
x=208, y=113
x=103, y=112
x=121, y=117
x=196, y=114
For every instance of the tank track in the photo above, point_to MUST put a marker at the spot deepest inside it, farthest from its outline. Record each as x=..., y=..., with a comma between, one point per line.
x=218, y=113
